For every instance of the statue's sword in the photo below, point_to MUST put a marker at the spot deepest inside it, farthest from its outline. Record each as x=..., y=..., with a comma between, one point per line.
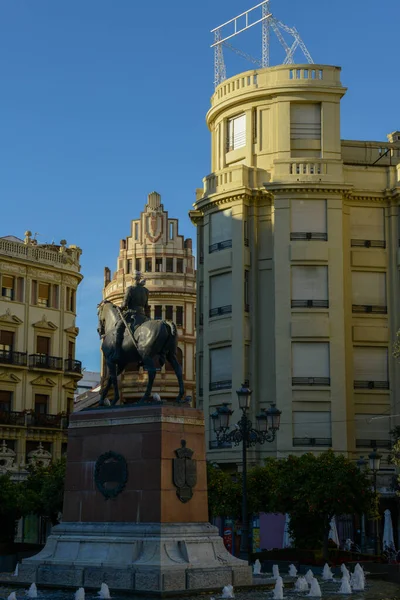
x=126, y=325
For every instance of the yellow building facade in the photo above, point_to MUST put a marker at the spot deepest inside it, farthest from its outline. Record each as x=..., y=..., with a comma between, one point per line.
x=298, y=265
x=156, y=249
x=38, y=369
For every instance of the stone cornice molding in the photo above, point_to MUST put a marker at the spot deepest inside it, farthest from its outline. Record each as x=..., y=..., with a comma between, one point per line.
x=208, y=204
x=70, y=385
x=72, y=330
x=305, y=188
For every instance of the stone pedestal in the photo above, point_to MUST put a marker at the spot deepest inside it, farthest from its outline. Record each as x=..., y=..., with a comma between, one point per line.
x=135, y=507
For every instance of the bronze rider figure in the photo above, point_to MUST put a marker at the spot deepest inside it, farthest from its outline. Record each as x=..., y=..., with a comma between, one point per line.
x=134, y=308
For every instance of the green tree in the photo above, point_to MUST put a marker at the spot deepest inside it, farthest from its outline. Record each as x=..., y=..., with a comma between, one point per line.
x=395, y=459
x=262, y=484
x=224, y=493
x=10, y=507
x=44, y=491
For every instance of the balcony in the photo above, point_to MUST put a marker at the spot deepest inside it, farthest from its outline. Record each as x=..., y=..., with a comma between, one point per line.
x=221, y=310
x=8, y=357
x=311, y=381
x=327, y=442
x=220, y=385
x=369, y=308
x=32, y=419
x=371, y=385
x=72, y=366
x=308, y=236
x=220, y=246
x=368, y=243
x=11, y=417
x=310, y=303
x=43, y=361
x=364, y=443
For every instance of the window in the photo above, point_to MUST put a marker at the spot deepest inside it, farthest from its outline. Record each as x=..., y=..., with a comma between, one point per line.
x=158, y=311
x=312, y=428
x=148, y=265
x=305, y=130
x=71, y=350
x=171, y=230
x=138, y=264
x=310, y=287
x=308, y=220
x=7, y=287
x=42, y=345
x=369, y=292
x=372, y=432
x=159, y=267
x=136, y=231
x=6, y=341
x=179, y=265
x=41, y=404
x=179, y=316
x=246, y=291
x=70, y=301
x=221, y=230
x=236, y=133
x=43, y=294
x=129, y=266
x=221, y=294
x=310, y=363
x=221, y=368
x=5, y=401
x=367, y=227
x=169, y=265
x=169, y=312
x=370, y=367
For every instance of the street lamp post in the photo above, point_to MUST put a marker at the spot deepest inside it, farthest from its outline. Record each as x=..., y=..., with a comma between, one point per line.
x=268, y=422
x=362, y=465
x=374, y=465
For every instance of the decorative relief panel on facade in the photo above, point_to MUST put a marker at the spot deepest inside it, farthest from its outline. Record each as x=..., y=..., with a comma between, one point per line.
x=184, y=473
x=45, y=324
x=10, y=318
x=9, y=377
x=7, y=458
x=42, y=380
x=11, y=268
x=49, y=275
x=110, y=474
x=154, y=226
x=39, y=457
x=70, y=280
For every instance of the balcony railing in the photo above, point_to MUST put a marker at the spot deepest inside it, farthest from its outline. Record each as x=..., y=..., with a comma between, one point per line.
x=72, y=366
x=310, y=303
x=311, y=381
x=221, y=310
x=369, y=308
x=46, y=420
x=13, y=358
x=364, y=443
x=312, y=442
x=43, y=361
x=12, y=418
x=310, y=236
x=368, y=243
x=220, y=246
x=220, y=385
x=370, y=385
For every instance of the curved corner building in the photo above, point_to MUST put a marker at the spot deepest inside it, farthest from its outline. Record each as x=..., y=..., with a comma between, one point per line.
x=298, y=241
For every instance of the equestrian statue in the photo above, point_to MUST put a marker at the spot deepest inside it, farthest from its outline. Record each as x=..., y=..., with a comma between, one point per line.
x=130, y=337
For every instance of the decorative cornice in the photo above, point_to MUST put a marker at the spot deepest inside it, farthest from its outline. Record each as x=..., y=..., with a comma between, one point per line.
x=9, y=377
x=72, y=330
x=45, y=324
x=70, y=385
x=116, y=420
x=10, y=319
x=293, y=188
x=42, y=380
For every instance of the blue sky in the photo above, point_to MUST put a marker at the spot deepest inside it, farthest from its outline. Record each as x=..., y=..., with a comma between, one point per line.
x=103, y=101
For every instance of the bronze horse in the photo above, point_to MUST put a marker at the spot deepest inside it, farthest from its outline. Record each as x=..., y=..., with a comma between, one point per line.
x=152, y=339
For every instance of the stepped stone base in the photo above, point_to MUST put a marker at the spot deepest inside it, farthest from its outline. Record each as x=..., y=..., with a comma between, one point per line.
x=151, y=558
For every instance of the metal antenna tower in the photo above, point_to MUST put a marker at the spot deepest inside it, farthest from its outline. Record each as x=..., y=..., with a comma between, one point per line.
x=261, y=13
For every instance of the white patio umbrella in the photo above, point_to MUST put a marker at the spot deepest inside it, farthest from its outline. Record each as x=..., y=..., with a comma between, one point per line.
x=333, y=534
x=388, y=538
x=287, y=540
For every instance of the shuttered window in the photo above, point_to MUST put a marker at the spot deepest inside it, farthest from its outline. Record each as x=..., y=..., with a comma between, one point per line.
x=308, y=218
x=369, y=289
x=312, y=424
x=310, y=363
x=41, y=404
x=236, y=133
x=220, y=229
x=5, y=401
x=42, y=345
x=43, y=294
x=370, y=367
x=367, y=223
x=310, y=286
x=221, y=368
x=169, y=312
x=371, y=431
x=6, y=340
x=179, y=316
x=7, y=287
x=305, y=121
x=220, y=294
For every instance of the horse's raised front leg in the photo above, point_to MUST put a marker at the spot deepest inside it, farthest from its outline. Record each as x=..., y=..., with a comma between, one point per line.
x=149, y=366
x=171, y=357
x=112, y=367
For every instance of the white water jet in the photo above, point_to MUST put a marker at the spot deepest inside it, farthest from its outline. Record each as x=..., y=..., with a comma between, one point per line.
x=301, y=585
x=275, y=571
x=292, y=571
x=345, y=571
x=80, y=594
x=345, y=586
x=257, y=568
x=32, y=592
x=16, y=570
x=12, y=596
x=227, y=592
x=278, y=589
x=315, y=590
x=104, y=592
x=327, y=574
x=309, y=576
x=357, y=580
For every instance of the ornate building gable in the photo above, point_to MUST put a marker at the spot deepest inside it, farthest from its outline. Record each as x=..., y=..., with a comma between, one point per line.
x=10, y=319
x=39, y=457
x=45, y=324
x=70, y=385
x=44, y=381
x=9, y=378
x=72, y=330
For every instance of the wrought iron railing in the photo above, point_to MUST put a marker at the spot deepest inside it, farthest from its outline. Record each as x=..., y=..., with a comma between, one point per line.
x=12, y=418
x=311, y=381
x=221, y=310
x=310, y=303
x=368, y=243
x=221, y=385
x=47, y=420
x=44, y=361
x=72, y=366
x=220, y=246
x=370, y=385
x=312, y=442
x=13, y=358
x=309, y=236
x=369, y=308
x=365, y=443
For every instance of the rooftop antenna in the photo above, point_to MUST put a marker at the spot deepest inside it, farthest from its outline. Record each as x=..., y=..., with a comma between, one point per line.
x=261, y=13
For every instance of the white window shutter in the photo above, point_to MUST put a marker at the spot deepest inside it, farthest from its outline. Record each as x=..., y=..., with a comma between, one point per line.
x=310, y=283
x=221, y=290
x=369, y=428
x=305, y=121
x=311, y=424
x=221, y=226
x=367, y=223
x=310, y=359
x=308, y=216
x=221, y=364
x=369, y=288
x=370, y=363
x=237, y=132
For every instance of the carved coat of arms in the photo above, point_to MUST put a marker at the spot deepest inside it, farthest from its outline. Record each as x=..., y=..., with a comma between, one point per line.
x=154, y=227
x=184, y=472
